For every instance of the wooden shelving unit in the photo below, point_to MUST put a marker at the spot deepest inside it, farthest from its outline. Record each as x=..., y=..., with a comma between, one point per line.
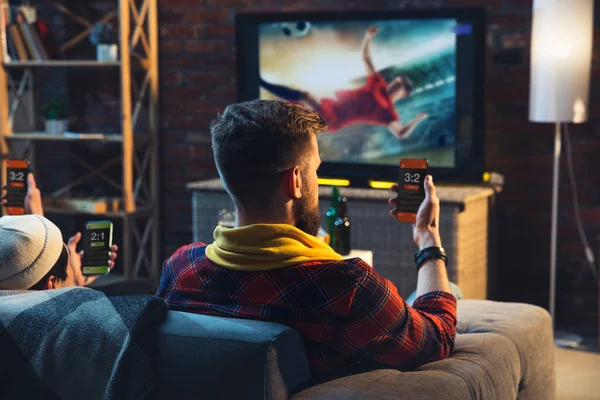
x=138, y=48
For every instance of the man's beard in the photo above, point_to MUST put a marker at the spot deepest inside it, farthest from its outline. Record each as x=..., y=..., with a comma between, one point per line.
x=308, y=219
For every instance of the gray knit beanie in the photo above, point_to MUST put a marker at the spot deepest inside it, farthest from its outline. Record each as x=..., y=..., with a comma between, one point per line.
x=30, y=245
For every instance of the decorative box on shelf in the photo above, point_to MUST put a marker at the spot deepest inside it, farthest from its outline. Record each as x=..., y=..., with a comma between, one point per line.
x=464, y=221
x=97, y=205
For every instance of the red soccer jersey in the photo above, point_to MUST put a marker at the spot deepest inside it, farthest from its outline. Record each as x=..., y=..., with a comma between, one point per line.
x=368, y=104
x=349, y=316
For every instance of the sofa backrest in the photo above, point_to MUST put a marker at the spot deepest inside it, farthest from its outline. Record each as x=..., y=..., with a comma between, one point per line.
x=201, y=356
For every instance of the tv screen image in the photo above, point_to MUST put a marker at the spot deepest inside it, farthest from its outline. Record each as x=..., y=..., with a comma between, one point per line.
x=391, y=84
x=386, y=88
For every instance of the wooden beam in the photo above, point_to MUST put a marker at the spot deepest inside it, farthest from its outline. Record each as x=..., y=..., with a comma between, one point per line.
x=73, y=16
x=5, y=128
x=154, y=131
x=91, y=173
x=127, y=128
x=81, y=36
x=139, y=26
x=141, y=95
x=127, y=244
x=18, y=96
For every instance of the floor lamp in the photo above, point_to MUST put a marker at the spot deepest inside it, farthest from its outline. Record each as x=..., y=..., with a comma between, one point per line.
x=561, y=55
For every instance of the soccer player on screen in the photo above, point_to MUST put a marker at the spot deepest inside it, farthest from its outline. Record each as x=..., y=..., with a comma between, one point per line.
x=372, y=103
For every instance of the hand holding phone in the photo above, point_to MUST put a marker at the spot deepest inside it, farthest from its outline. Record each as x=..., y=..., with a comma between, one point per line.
x=426, y=232
x=33, y=198
x=97, y=242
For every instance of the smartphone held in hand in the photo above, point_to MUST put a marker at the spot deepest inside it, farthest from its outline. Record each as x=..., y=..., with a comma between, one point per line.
x=411, y=188
x=16, y=188
x=97, y=241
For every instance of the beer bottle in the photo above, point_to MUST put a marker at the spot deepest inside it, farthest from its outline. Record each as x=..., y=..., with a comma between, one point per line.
x=342, y=228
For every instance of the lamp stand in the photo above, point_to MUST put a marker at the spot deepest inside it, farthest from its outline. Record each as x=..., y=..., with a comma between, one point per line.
x=561, y=339
x=554, y=228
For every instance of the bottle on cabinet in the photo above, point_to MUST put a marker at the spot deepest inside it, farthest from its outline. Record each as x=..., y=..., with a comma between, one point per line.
x=341, y=236
x=332, y=214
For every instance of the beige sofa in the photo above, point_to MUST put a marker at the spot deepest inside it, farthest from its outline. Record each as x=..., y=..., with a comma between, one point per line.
x=502, y=351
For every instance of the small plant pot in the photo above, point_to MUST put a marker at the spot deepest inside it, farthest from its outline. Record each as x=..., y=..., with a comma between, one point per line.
x=56, y=126
x=107, y=52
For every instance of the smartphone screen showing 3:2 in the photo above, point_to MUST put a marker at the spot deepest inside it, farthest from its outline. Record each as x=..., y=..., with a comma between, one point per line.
x=97, y=244
x=411, y=188
x=16, y=188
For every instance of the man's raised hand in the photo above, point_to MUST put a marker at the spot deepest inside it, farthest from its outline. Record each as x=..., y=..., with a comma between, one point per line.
x=426, y=230
x=33, y=199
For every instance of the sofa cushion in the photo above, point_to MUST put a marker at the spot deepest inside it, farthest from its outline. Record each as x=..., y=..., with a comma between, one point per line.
x=529, y=328
x=482, y=366
x=502, y=351
x=210, y=357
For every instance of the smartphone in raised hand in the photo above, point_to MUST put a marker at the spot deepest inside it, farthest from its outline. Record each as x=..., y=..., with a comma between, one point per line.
x=97, y=241
x=16, y=186
x=411, y=188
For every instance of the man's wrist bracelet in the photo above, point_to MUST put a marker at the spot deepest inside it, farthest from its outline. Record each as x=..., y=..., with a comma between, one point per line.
x=428, y=253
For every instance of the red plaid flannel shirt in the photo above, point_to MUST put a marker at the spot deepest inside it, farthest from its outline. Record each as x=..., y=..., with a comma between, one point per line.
x=347, y=314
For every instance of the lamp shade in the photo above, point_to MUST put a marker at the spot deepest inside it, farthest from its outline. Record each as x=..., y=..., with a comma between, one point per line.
x=561, y=55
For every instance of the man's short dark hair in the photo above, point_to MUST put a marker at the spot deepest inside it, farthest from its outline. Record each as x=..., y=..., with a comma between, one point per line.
x=255, y=141
x=59, y=270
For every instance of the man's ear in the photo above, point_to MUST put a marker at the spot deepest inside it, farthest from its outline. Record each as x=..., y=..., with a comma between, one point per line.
x=294, y=182
x=51, y=283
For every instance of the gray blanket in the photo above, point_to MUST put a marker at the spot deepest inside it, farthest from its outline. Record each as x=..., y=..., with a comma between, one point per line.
x=76, y=343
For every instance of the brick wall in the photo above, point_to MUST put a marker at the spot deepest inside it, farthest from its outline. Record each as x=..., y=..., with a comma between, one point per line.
x=198, y=79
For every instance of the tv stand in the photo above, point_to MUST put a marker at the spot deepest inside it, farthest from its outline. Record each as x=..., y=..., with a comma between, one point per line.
x=464, y=223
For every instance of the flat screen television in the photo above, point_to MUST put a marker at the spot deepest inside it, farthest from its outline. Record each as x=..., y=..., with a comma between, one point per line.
x=390, y=84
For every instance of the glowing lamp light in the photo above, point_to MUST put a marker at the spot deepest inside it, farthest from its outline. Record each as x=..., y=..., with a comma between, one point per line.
x=561, y=55
x=333, y=182
x=381, y=184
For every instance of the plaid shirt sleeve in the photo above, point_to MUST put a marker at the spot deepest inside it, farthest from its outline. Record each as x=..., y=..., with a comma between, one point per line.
x=383, y=329
x=185, y=257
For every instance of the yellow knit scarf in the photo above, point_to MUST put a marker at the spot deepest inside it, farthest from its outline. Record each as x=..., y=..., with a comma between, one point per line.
x=266, y=246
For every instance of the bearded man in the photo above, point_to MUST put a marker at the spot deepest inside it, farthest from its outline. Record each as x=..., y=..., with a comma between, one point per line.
x=271, y=266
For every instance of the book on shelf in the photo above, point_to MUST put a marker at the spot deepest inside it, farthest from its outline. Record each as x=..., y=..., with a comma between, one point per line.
x=34, y=43
x=31, y=53
x=88, y=136
x=11, y=49
x=17, y=40
x=99, y=205
x=21, y=39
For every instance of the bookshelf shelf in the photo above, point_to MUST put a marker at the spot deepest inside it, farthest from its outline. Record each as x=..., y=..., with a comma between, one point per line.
x=140, y=140
x=42, y=136
x=140, y=212
x=62, y=64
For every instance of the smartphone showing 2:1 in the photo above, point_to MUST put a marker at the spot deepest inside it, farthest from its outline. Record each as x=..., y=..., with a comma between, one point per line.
x=97, y=241
x=411, y=188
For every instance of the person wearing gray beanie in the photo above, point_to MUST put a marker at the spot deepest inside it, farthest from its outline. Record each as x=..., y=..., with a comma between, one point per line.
x=30, y=246
x=33, y=254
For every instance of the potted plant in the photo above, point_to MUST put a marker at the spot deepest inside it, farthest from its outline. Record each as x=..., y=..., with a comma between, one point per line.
x=55, y=116
x=104, y=37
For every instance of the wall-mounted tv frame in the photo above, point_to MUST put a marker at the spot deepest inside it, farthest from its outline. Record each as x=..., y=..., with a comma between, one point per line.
x=263, y=40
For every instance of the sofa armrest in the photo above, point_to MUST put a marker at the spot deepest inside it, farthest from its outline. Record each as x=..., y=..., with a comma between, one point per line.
x=214, y=357
x=529, y=327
